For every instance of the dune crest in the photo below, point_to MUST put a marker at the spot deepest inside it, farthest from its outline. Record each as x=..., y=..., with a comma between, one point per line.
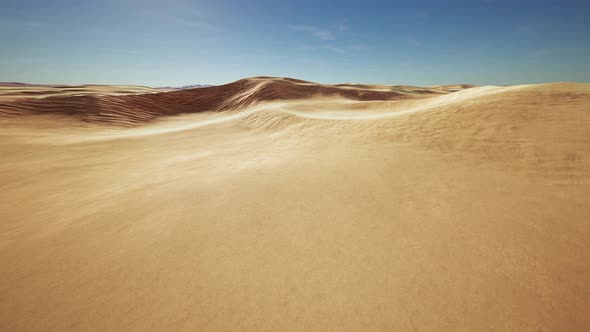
x=120, y=108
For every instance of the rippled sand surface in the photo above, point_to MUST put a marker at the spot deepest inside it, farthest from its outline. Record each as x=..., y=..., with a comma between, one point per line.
x=278, y=204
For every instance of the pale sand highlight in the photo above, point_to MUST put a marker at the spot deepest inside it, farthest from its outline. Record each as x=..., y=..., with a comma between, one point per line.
x=297, y=207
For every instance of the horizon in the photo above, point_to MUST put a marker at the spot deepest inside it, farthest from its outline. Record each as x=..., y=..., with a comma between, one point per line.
x=199, y=85
x=178, y=43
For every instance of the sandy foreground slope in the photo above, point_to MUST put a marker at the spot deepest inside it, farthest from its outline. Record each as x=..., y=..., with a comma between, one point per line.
x=278, y=204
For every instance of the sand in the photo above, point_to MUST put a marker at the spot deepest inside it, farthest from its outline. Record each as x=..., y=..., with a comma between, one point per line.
x=278, y=204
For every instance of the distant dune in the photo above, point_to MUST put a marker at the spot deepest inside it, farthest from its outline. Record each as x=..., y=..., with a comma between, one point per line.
x=281, y=204
x=131, y=105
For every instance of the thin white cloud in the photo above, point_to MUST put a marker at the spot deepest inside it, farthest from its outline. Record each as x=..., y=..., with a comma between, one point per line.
x=412, y=40
x=188, y=22
x=180, y=15
x=343, y=50
x=334, y=49
x=322, y=34
x=117, y=50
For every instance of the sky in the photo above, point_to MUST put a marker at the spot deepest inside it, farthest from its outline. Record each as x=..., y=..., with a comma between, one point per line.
x=182, y=42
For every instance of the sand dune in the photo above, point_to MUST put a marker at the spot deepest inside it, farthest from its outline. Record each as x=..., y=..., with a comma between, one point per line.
x=16, y=91
x=281, y=204
x=120, y=107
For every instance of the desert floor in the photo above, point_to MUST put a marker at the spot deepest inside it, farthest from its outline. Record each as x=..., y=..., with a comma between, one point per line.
x=462, y=211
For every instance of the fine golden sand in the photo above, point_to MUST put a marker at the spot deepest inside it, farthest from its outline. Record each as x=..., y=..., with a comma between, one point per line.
x=273, y=204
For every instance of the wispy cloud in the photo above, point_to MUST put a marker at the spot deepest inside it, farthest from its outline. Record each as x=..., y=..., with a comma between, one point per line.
x=328, y=38
x=334, y=49
x=423, y=15
x=319, y=33
x=343, y=50
x=182, y=13
x=412, y=40
x=188, y=22
x=117, y=50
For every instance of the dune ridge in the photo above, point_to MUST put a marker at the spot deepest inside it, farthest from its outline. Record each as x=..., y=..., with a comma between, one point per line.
x=488, y=123
x=128, y=109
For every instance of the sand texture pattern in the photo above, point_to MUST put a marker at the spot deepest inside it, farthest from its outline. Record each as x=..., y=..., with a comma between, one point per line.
x=275, y=204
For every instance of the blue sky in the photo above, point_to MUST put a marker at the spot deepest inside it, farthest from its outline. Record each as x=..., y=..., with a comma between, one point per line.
x=179, y=42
